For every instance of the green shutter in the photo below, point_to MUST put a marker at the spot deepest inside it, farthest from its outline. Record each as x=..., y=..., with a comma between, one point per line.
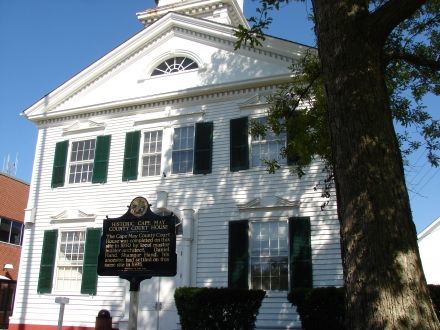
x=90, y=275
x=47, y=264
x=300, y=253
x=131, y=156
x=203, y=148
x=239, y=144
x=291, y=159
x=238, y=258
x=59, y=164
x=102, y=153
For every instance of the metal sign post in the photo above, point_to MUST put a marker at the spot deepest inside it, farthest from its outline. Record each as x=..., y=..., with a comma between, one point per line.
x=135, y=283
x=133, y=310
x=62, y=301
x=137, y=246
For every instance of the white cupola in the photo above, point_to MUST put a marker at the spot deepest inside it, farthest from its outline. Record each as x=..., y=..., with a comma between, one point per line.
x=228, y=12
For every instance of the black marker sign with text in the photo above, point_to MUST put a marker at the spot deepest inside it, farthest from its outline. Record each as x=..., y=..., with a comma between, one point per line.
x=133, y=246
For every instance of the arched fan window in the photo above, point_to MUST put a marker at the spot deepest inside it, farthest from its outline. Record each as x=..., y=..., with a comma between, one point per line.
x=175, y=64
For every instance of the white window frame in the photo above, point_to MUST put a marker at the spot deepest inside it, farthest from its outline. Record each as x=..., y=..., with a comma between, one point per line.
x=58, y=287
x=270, y=137
x=142, y=154
x=81, y=162
x=190, y=171
x=12, y=222
x=174, y=68
x=252, y=226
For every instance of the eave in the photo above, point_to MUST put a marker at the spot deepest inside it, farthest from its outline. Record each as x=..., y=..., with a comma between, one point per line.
x=428, y=230
x=190, y=93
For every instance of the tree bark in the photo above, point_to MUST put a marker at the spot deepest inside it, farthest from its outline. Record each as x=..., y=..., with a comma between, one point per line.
x=385, y=284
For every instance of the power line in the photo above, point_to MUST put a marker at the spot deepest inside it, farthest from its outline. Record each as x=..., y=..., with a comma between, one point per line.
x=436, y=171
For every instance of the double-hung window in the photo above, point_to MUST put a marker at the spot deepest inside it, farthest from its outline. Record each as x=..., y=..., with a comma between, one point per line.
x=82, y=156
x=269, y=255
x=273, y=255
x=267, y=147
x=183, y=149
x=152, y=153
x=247, y=150
x=190, y=151
x=88, y=161
x=69, y=260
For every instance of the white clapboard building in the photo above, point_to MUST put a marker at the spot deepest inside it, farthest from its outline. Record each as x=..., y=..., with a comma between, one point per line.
x=429, y=248
x=166, y=116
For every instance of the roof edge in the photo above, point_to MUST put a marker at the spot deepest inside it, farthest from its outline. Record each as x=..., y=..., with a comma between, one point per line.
x=195, y=91
x=14, y=178
x=133, y=44
x=428, y=230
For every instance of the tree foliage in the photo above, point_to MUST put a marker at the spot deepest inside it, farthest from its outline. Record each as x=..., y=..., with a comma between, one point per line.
x=412, y=59
x=377, y=60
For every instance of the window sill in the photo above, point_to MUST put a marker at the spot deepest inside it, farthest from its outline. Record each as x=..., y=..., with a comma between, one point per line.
x=77, y=185
x=57, y=293
x=260, y=168
x=276, y=294
x=172, y=74
x=10, y=244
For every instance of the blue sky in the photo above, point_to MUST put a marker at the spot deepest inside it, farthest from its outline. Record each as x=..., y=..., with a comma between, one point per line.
x=46, y=42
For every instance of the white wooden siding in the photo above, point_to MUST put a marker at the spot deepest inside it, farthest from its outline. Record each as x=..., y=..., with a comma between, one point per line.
x=429, y=247
x=214, y=197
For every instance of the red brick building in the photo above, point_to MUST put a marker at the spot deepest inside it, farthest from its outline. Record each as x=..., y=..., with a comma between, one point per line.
x=13, y=200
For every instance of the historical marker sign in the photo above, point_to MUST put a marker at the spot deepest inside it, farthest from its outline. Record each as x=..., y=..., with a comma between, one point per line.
x=138, y=244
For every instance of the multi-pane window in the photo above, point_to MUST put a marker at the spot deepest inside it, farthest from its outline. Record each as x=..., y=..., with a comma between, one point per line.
x=183, y=149
x=269, y=255
x=267, y=147
x=175, y=64
x=152, y=153
x=70, y=260
x=11, y=231
x=81, y=161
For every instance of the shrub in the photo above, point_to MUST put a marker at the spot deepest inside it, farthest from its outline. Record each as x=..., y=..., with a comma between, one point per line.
x=323, y=308
x=217, y=308
x=320, y=308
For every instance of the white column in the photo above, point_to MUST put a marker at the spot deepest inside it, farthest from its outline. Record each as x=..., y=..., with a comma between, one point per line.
x=187, y=238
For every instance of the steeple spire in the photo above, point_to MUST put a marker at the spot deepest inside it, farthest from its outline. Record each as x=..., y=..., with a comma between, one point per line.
x=222, y=11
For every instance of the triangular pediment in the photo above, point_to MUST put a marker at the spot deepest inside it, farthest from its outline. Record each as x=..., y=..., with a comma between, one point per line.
x=268, y=207
x=269, y=202
x=123, y=78
x=83, y=126
x=73, y=215
x=255, y=101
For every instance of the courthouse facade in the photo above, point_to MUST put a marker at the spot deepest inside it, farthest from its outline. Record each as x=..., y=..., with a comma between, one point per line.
x=166, y=116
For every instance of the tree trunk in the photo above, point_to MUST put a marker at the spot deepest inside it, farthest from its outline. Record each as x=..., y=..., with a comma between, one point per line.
x=385, y=284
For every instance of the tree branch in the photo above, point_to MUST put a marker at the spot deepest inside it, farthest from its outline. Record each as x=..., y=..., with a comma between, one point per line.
x=306, y=91
x=414, y=59
x=386, y=17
